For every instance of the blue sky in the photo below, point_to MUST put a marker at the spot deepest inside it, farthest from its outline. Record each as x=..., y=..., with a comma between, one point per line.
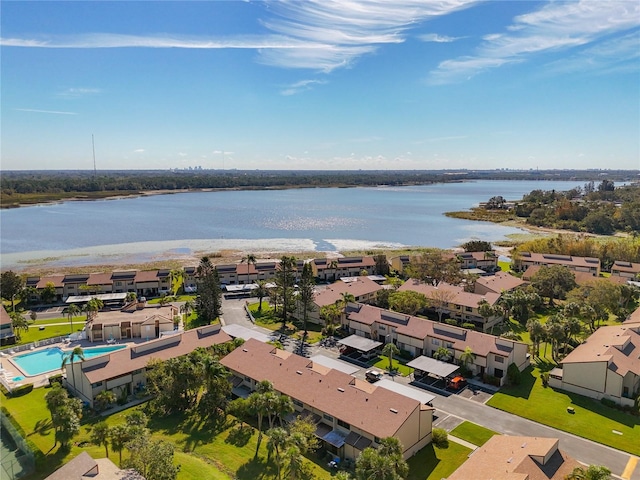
x=320, y=84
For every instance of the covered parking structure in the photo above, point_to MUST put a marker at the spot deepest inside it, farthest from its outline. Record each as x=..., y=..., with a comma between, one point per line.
x=425, y=366
x=108, y=299
x=360, y=344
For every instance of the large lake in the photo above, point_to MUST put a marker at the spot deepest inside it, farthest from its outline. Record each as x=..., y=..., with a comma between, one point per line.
x=319, y=219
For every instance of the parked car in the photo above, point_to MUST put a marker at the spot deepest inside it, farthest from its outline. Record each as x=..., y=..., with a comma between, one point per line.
x=373, y=375
x=456, y=382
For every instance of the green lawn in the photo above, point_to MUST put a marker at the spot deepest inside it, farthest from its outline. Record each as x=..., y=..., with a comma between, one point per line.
x=473, y=433
x=203, y=450
x=432, y=463
x=591, y=420
x=382, y=363
x=267, y=318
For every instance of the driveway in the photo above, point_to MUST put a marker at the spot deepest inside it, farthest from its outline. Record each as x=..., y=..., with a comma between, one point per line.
x=469, y=405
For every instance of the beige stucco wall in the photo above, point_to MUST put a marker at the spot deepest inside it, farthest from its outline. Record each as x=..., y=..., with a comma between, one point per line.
x=589, y=375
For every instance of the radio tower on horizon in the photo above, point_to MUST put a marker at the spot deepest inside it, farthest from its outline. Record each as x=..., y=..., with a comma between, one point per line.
x=93, y=145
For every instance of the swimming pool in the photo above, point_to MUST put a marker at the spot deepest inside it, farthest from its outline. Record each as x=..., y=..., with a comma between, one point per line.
x=50, y=359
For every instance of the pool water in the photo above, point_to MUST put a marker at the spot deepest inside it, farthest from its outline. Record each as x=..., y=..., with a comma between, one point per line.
x=50, y=359
x=18, y=378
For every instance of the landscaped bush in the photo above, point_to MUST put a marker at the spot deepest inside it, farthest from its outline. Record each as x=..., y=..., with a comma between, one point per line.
x=22, y=390
x=608, y=402
x=451, y=321
x=544, y=376
x=513, y=374
x=55, y=379
x=491, y=380
x=469, y=326
x=440, y=438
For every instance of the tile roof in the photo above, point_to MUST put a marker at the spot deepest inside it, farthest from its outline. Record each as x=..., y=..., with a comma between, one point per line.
x=358, y=287
x=481, y=343
x=555, y=259
x=506, y=457
x=460, y=297
x=122, y=362
x=4, y=316
x=618, y=345
x=501, y=281
x=377, y=411
x=627, y=267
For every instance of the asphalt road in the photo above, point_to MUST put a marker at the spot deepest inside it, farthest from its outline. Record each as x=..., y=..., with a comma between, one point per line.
x=579, y=448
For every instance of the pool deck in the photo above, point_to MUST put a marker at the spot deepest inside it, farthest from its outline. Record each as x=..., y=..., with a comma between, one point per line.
x=11, y=369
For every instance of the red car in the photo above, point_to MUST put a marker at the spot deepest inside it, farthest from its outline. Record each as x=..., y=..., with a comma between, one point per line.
x=457, y=382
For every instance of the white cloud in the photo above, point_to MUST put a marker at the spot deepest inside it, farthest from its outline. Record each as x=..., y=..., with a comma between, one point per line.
x=54, y=112
x=139, y=150
x=314, y=34
x=348, y=29
x=437, y=38
x=78, y=92
x=301, y=86
x=556, y=26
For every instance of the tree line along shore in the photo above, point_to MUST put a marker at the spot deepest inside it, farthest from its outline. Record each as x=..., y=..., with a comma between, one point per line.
x=33, y=187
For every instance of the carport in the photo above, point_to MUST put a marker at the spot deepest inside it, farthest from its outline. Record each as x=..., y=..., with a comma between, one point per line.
x=361, y=344
x=431, y=366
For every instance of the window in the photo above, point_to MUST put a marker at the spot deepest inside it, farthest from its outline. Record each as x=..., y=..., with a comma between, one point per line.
x=344, y=424
x=499, y=359
x=468, y=309
x=96, y=385
x=435, y=341
x=376, y=440
x=448, y=344
x=297, y=403
x=498, y=373
x=329, y=418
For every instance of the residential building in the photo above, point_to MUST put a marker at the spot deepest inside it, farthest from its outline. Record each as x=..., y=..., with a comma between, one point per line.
x=147, y=323
x=124, y=371
x=330, y=269
x=350, y=414
x=590, y=265
x=363, y=289
x=7, y=336
x=507, y=457
x=401, y=262
x=498, y=283
x=85, y=467
x=606, y=365
x=454, y=302
x=422, y=337
x=485, y=261
x=628, y=270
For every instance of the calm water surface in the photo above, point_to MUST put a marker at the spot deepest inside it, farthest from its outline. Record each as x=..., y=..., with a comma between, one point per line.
x=301, y=219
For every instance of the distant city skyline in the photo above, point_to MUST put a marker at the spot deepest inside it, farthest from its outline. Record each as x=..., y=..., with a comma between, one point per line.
x=314, y=85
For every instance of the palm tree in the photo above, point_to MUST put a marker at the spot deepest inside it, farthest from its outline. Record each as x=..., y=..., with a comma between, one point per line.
x=333, y=265
x=390, y=350
x=277, y=441
x=120, y=435
x=176, y=277
x=186, y=308
x=92, y=307
x=104, y=399
x=467, y=357
x=19, y=323
x=261, y=292
x=70, y=357
x=100, y=436
x=593, y=472
x=250, y=258
x=258, y=403
x=72, y=311
x=536, y=333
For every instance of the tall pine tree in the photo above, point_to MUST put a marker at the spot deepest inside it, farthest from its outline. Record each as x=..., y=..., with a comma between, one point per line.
x=209, y=299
